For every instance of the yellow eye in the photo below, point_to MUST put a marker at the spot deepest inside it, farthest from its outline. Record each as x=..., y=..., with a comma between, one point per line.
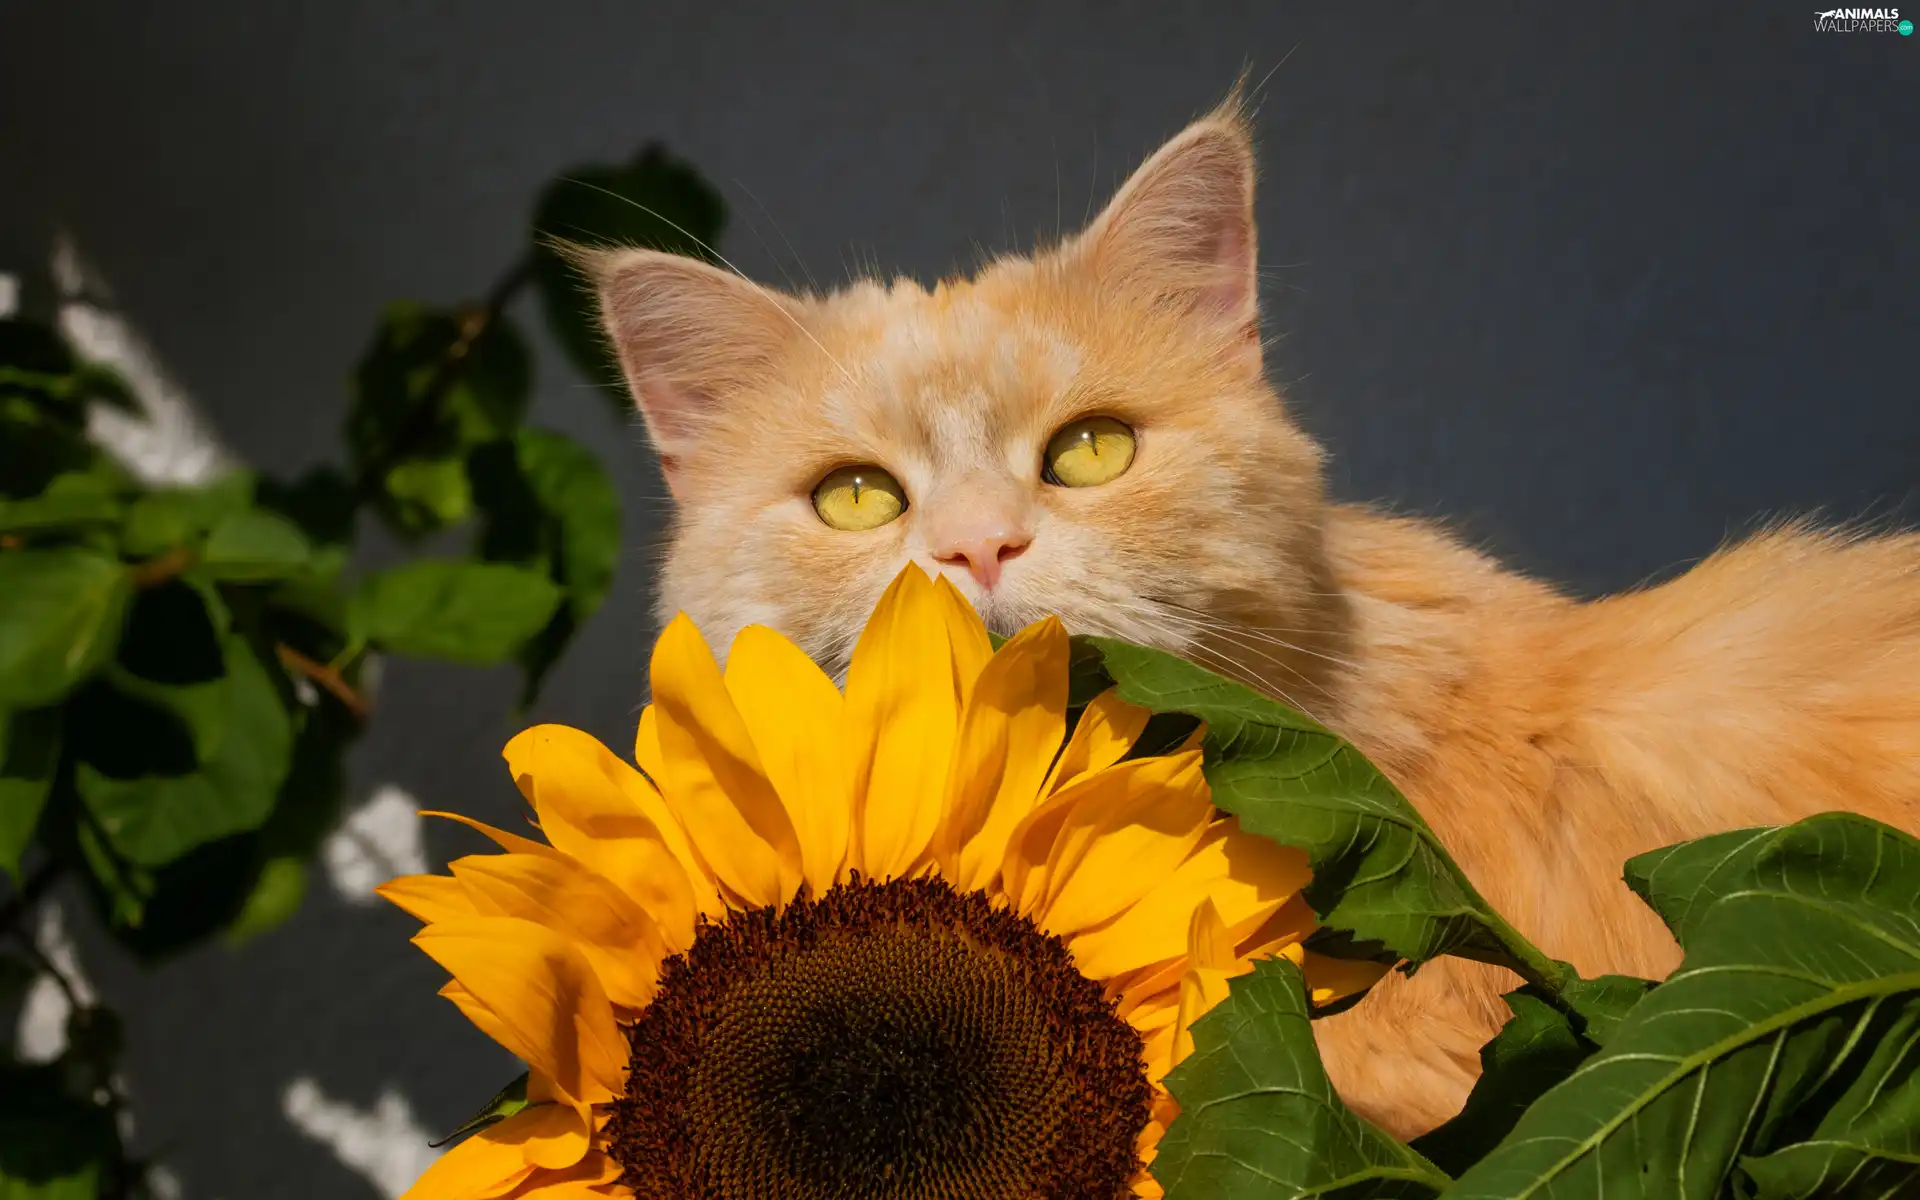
x=856, y=498
x=1087, y=452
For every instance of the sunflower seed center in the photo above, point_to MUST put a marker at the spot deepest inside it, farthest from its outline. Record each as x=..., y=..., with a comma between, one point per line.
x=889, y=1041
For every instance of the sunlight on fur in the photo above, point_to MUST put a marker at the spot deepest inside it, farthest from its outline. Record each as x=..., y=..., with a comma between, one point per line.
x=1546, y=739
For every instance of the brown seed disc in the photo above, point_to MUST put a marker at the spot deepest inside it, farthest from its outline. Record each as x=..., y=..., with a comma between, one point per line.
x=889, y=1041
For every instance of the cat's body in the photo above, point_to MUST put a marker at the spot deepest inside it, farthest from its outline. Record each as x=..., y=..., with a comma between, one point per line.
x=1545, y=739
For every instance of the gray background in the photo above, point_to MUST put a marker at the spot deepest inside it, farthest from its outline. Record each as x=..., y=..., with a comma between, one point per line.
x=1602, y=285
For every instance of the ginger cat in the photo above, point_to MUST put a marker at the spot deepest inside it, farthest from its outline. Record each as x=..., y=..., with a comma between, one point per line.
x=1089, y=432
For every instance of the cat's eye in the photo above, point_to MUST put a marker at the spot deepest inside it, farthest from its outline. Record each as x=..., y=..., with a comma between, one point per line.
x=857, y=498
x=1087, y=452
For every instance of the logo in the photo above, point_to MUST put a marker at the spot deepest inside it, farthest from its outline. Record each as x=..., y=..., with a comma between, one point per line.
x=1862, y=20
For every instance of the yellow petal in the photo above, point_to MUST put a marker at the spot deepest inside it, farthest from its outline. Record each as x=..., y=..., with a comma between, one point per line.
x=1330, y=979
x=1106, y=731
x=1211, y=964
x=484, y=1019
x=1246, y=876
x=902, y=714
x=711, y=774
x=428, y=897
x=601, y=811
x=553, y=1014
x=488, y=1164
x=968, y=635
x=554, y=1138
x=616, y=934
x=1012, y=728
x=796, y=718
x=1157, y=1049
x=589, y=1179
x=1023, y=872
x=1136, y=822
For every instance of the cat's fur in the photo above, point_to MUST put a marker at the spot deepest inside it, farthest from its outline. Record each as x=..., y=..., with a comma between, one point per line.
x=1545, y=739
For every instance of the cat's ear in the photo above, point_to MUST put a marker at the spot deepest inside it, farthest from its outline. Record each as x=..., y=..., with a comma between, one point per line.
x=689, y=336
x=1180, y=231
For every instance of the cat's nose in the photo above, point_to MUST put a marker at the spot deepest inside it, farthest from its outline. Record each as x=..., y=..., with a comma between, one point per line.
x=983, y=553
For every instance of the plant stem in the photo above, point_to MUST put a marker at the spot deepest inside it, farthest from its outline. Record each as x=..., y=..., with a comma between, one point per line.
x=156, y=571
x=327, y=677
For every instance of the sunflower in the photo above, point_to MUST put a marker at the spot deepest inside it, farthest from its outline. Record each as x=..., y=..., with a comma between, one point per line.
x=896, y=942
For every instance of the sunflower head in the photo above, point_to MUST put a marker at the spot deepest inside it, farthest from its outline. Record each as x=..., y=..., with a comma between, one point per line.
x=923, y=939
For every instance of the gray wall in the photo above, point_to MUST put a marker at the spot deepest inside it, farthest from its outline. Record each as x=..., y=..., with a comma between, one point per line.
x=1603, y=285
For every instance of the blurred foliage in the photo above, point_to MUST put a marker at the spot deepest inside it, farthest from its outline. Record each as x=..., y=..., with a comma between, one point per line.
x=183, y=670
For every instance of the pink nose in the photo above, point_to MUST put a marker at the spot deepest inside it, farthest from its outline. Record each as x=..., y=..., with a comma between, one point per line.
x=983, y=554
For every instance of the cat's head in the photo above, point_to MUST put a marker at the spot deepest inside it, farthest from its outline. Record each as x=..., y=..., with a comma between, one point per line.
x=1086, y=432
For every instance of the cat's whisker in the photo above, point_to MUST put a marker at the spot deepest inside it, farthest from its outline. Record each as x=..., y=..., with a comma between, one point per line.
x=1193, y=619
x=812, y=283
x=724, y=261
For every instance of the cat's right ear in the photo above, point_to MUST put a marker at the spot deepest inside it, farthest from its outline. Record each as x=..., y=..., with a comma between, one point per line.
x=689, y=336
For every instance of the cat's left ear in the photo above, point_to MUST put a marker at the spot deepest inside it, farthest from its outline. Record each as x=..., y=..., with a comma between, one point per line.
x=1180, y=231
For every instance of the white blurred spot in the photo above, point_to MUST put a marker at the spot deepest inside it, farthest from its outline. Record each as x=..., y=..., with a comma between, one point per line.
x=164, y=1184
x=41, y=1035
x=380, y=840
x=167, y=442
x=384, y=1145
x=9, y=295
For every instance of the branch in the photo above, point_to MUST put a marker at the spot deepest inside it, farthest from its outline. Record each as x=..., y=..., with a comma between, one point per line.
x=326, y=677
x=156, y=571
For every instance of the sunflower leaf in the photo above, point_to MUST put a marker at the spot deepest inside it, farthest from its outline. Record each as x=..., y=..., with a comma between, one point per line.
x=1378, y=869
x=1258, y=1118
x=1539, y=1047
x=1781, y=1060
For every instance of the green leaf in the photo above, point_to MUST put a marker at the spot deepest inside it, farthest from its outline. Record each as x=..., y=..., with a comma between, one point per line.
x=173, y=656
x=1378, y=869
x=255, y=546
x=464, y=611
x=169, y=518
x=1258, y=1117
x=1784, y=1054
x=34, y=348
x=432, y=386
x=74, y=499
x=53, y=1146
x=60, y=614
x=102, y=384
x=654, y=202
x=37, y=446
x=276, y=895
x=1682, y=882
x=155, y=818
x=1538, y=1048
x=549, y=504
x=29, y=755
x=434, y=492
x=505, y=1103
